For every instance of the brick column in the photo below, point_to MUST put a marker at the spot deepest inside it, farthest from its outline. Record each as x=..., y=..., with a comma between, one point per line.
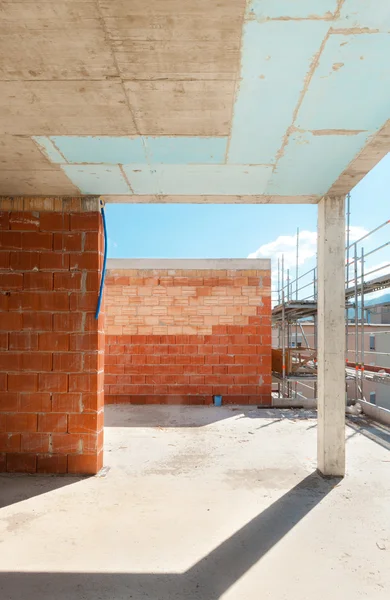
x=51, y=347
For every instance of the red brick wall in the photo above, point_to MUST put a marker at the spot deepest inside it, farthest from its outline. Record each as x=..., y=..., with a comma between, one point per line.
x=183, y=336
x=51, y=347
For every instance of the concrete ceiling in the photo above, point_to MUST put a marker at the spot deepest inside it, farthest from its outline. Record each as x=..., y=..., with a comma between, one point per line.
x=192, y=101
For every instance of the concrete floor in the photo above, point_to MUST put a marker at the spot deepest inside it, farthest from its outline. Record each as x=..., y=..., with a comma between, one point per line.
x=203, y=503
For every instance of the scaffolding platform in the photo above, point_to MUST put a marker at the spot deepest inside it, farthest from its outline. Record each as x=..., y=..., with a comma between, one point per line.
x=295, y=362
x=294, y=310
x=298, y=377
x=301, y=309
x=374, y=285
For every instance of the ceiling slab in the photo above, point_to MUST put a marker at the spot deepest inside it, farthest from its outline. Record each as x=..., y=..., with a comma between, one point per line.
x=198, y=179
x=202, y=108
x=313, y=161
x=365, y=14
x=272, y=72
x=345, y=63
x=176, y=40
x=49, y=107
x=53, y=41
x=99, y=150
x=23, y=153
x=98, y=179
x=36, y=183
x=182, y=150
x=137, y=150
x=263, y=101
x=370, y=155
x=299, y=9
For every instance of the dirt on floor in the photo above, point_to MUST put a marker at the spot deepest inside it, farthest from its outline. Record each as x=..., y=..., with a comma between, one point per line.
x=200, y=503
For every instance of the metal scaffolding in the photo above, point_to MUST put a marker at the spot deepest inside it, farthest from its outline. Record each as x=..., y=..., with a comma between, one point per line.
x=296, y=306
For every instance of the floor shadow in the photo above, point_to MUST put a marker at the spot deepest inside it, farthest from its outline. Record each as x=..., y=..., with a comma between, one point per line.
x=269, y=423
x=282, y=414
x=16, y=488
x=206, y=580
x=127, y=415
x=380, y=434
x=166, y=416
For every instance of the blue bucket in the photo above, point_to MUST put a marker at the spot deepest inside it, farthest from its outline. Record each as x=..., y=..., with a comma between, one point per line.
x=217, y=400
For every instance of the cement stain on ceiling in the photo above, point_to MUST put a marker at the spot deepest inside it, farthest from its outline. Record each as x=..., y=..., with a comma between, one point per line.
x=266, y=101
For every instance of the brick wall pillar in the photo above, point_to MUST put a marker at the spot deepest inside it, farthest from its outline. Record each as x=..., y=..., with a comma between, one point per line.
x=51, y=347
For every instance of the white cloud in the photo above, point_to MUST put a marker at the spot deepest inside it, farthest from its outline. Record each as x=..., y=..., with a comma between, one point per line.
x=355, y=233
x=286, y=245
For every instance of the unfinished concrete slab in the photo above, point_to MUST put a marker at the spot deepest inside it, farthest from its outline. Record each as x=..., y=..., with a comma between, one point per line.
x=271, y=81
x=202, y=503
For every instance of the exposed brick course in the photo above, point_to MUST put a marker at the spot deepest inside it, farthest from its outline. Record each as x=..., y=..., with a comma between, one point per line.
x=184, y=336
x=51, y=358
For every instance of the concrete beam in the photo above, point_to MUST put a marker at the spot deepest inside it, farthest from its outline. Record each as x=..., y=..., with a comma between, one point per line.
x=331, y=337
x=209, y=199
x=376, y=149
x=225, y=264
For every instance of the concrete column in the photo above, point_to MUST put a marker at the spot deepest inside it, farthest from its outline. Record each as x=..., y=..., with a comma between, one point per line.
x=331, y=337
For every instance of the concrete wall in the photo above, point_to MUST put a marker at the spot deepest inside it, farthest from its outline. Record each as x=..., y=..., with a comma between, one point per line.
x=380, y=314
x=182, y=331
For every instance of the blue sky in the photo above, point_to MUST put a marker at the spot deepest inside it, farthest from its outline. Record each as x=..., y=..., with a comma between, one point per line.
x=232, y=231
x=237, y=231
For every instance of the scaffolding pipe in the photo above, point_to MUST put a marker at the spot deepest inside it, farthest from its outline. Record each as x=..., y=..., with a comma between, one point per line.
x=289, y=288
x=378, y=269
x=296, y=266
x=362, y=324
x=349, y=259
x=378, y=354
x=370, y=232
x=283, y=344
x=377, y=249
x=307, y=273
x=356, y=326
x=315, y=315
x=373, y=332
x=296, y=287
x=288, y=285
x=348, y=231
x=347, y=267
x=304, y=335
x=305, y=286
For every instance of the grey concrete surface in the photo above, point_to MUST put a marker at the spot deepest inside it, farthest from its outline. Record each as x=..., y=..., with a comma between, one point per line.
x=202, y=503
x=331, y=336
x=176, y=68
x=231, y=264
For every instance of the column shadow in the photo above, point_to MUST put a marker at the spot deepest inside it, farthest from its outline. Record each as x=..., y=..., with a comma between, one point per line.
x=208, y=579
x=16, y=488
x=374, y=431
